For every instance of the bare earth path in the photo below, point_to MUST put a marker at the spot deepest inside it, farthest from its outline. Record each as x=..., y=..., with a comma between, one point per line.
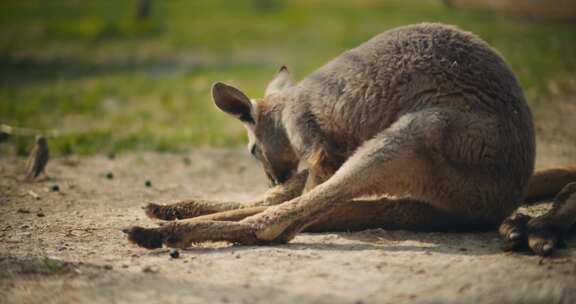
x=67, y=247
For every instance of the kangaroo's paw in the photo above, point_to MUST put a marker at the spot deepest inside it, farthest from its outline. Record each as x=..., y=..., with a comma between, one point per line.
x=184, y=234
x=513, y=231
x=523, y=233
x=543, y=237
x=546, y=232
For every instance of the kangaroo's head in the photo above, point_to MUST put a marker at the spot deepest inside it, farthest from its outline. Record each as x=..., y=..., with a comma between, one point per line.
x=267, y=137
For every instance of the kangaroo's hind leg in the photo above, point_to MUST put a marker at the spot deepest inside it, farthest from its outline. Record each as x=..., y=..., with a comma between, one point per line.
x=385, y=213
x=395, y=214
x=395, y=162
x=198, y=207
x=543, y=234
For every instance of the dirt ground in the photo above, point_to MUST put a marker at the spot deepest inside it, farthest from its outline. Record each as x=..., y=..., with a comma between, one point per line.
x=67, y=246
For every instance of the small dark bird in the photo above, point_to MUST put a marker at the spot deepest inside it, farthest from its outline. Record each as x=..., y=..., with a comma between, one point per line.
x=37, y=159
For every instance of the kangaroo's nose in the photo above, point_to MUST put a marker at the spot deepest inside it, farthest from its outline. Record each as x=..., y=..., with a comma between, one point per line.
x=271, y=180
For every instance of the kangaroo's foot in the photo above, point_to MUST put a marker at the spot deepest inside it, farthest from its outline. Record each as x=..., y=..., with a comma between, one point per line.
x=187, y=209
x=521, y=232
x=544, y=237
x=513, y=232
x=545, y=233
x=197, y=207
x=182, y=235
x=271, y=226
x=227, y=216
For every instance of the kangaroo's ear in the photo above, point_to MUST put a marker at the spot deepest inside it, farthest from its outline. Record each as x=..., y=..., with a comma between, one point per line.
x=232, y=101
x=281, y=81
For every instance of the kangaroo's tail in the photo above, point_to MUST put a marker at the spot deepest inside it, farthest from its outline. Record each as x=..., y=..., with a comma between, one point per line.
x=545, y=184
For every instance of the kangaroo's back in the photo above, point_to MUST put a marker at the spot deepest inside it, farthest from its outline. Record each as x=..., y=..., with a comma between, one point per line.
x=364, y=90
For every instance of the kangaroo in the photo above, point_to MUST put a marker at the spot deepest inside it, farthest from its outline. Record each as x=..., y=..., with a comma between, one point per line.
x=427, y=118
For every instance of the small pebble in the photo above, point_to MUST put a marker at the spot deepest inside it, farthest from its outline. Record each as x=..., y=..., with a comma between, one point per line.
x=40, y=214
x=150, y=269
x=148, y=183
x=111, y=156
x=174, y=254
x=34, y=194
x=55, y=188
x=109, y=175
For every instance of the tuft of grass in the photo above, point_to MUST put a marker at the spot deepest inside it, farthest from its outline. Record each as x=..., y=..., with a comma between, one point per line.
x=110, y=83
x=53, y=266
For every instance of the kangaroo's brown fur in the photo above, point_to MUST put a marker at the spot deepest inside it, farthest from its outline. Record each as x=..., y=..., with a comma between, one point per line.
x=427, y=115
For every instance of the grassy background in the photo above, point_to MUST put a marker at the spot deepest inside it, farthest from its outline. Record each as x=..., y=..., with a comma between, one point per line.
x=107, y=82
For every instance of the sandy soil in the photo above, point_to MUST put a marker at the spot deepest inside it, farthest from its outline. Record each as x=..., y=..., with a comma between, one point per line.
x=67, y=247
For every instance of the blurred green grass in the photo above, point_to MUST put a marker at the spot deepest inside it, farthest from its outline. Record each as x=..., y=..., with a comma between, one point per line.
x=108, y=82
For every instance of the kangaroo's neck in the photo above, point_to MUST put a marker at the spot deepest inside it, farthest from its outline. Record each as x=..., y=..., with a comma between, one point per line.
x=305, y=134
x=299, y=124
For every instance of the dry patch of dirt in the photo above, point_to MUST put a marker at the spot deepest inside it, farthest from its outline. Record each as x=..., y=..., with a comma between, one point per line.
x=67, y=246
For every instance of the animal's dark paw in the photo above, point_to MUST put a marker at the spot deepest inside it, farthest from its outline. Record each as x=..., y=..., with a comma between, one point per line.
x=160, y=212
x=522, y=233
x=542, y=242
x=543, y=237
x=513, y=231
x=144, y=237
